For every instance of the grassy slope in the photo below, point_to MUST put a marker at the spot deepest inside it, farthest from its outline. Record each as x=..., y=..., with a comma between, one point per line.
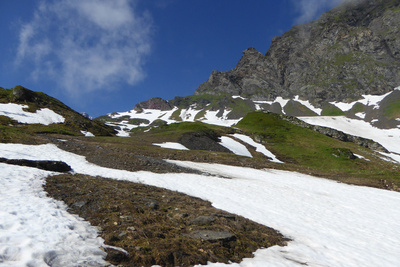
x=301, y=149
x=317, y=153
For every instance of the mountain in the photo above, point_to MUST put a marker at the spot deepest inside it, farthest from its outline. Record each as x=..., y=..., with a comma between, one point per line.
x=323, y=102
x=346, y=63
x=352, y=50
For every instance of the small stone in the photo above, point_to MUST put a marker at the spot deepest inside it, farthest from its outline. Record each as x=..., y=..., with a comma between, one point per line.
x=79, y=204
x=131, y=228
x=126, y=218
x=153, y=204
x=203, y=220
x=212, y=236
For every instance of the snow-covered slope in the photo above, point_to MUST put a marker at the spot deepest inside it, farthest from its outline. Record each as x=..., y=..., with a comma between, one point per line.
x=389, y=138
x=381, y=111
x=331, y=224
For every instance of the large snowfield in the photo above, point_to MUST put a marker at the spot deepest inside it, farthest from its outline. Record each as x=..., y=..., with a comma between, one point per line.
x=330, y=223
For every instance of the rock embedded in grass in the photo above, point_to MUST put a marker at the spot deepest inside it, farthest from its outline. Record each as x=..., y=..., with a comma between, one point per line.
x=212, y=236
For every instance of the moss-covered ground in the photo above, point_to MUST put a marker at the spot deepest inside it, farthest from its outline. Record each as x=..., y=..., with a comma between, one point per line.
x=153, y=225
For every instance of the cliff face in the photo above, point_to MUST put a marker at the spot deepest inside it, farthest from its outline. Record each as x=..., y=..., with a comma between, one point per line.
x=351, y=50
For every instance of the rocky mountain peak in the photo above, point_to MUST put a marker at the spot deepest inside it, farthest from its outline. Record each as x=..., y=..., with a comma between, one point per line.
x=352, y=50
x=154, y=103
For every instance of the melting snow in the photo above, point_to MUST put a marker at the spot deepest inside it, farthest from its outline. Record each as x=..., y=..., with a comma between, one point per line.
x=361, y=115
x=238, y=96
x=389, y=138
x=367, y=100
x=308, y=105
x=42, y=116
x=211, y=118
x=259, y=147
x=331, y=224
x=38, y=231
x=87, y=134
x=235, y=146
x=172, y=145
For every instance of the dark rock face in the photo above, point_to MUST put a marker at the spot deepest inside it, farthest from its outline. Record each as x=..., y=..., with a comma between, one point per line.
x=154, y=103
x=48, y=165
x=22, y=94
x=351, y=50
x=202, y=141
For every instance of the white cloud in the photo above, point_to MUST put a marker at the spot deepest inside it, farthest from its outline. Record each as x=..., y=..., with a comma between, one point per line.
x=312, y=9
x=86, y=45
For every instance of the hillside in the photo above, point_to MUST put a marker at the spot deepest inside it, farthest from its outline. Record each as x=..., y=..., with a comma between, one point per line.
x=132, y=224
x=33, y=113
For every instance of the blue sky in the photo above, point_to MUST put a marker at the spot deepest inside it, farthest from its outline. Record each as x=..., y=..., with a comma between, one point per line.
x=102, y=56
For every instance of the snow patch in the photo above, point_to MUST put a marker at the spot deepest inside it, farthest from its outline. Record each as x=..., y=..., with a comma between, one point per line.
x=238, y=96
x=35, y=229
x=361, y=157
x=308, y=105
x=389, y=138
x=210, y=117
x=172, y=145
x=43, y=116
x=330, y=223
x=234, y=146
x=361, y=115
x=282, y=102
x=367, y=100
x=259, y=147
x=87, y=134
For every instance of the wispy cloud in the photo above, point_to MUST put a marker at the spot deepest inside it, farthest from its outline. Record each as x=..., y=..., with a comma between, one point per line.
x=311, y=9
x=86, y=45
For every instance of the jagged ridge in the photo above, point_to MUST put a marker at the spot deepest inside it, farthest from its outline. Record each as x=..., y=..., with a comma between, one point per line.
x=351, y=50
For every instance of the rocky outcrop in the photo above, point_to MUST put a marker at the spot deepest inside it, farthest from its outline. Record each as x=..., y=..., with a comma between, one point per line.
x=351, y=50
x=23, y=95
x=154, y=103
x=202, y=141
x=48, y=165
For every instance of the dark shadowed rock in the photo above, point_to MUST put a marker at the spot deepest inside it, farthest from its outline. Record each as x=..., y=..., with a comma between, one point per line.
x=201, y=141
x=22, y=94
x=48, y=165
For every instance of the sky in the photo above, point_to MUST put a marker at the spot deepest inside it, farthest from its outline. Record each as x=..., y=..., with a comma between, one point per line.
x=101, y=56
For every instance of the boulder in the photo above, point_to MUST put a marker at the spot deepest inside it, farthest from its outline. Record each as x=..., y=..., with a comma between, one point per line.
x=212, y=236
